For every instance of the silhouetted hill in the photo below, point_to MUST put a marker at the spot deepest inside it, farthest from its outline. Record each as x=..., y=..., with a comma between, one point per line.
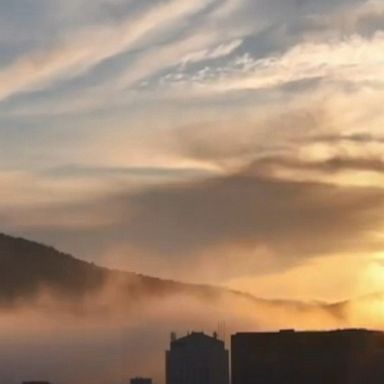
x=29, y=269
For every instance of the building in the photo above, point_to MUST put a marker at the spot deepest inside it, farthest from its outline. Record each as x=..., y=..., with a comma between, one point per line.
x=197, y=359
x=36, y=382
x=289, y=357
x=141, y=380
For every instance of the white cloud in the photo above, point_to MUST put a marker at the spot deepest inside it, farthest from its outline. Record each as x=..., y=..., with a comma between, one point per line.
x=221, y=50
x=86, y=48
x=355, y=60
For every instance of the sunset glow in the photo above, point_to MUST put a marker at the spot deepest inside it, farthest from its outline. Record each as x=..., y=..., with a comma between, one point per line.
x=231, y=143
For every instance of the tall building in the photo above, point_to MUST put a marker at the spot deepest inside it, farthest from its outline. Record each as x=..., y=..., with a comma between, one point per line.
x=197, y=359
x=141, y=380
x=289, y=357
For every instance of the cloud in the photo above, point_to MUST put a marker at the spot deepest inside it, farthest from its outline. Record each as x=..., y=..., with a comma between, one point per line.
x=283, y=98
x=335, y=170
x=337, y=164
x=283, y=44
x=352, y=62
x=265, y=190
x=146, y=46
x=202, y=46
x=76, y=55
x=231, y=224
x=243, y=210
x=355, y=60
x=214, y=53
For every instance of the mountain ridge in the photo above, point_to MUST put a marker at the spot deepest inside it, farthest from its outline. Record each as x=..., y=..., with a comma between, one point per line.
x=27, y=268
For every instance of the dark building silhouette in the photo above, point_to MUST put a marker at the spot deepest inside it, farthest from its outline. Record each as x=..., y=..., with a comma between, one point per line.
x=289, y=357
x=36, y=382
x=197, y=359
x=141, y=380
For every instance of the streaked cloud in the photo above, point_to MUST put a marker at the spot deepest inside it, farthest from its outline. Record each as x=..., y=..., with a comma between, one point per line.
x=89, y=46
x=355, y=61
x=251, y=221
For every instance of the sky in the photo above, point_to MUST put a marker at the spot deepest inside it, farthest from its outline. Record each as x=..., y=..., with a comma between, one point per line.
x=230, y=142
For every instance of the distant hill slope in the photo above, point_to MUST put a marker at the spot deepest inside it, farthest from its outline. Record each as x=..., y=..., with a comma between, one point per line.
x=28, y=268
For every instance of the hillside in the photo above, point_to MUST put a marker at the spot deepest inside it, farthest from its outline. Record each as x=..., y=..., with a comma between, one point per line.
x=28, y=269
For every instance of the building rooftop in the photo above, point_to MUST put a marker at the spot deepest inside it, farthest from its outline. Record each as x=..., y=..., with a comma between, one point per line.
x=197, y=337
x=334, y=332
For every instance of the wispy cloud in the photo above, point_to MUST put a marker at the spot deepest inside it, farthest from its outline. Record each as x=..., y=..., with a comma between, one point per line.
x=88, y=47
x=355, y=60
x=223, y=49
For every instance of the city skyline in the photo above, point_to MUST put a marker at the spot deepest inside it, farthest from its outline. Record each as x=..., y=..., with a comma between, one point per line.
x=278, y=357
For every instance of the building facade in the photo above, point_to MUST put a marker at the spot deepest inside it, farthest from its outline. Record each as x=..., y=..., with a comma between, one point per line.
x=141, y=380
x=197, y=359
x=288, y=357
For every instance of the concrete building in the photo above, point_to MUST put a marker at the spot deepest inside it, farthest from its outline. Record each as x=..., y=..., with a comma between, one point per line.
x=141, y=380
x=288, y=357
x=197, y=359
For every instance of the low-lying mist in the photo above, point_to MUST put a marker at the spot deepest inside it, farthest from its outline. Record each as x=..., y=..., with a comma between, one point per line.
x=109, y=336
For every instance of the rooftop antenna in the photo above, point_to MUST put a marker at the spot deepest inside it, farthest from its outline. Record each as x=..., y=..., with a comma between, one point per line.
x=222, y=330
